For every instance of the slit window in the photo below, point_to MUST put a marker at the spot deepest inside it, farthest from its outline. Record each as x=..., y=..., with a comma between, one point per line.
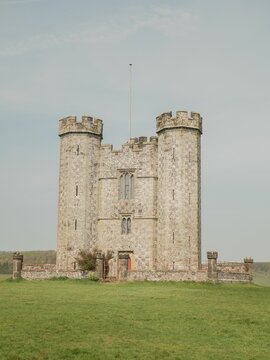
x=77, y=190
x=75, y=224
x=78, y=150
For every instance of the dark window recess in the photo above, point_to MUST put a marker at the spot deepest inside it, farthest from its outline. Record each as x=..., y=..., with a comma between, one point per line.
x=75, y=225
x=77, y=190
x=78, y=150
x=126, y=186
x=126, y=225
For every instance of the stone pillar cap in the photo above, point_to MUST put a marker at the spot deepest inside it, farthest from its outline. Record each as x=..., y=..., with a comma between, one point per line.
x=99, y=255
x=17, y=256
x=212, y=254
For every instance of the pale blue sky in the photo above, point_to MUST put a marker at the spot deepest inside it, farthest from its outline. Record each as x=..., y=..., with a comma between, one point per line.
x=70, y=57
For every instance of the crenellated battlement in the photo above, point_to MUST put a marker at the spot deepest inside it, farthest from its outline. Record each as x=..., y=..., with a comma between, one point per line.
x=87, y=125
x=134, y=144
x=181, y=120
x=143, y=140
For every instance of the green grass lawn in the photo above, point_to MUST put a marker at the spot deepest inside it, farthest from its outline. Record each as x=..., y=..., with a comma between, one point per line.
x=86, y=320
x=261, y=278
x=5, y=276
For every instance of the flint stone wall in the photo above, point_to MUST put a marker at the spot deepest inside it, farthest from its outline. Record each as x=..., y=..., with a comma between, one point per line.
x=48, y=271
x=167, y=276
x=234, y=277
x=233, y=267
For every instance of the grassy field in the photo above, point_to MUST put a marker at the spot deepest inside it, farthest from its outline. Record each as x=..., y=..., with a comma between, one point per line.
x=86, y=320
x=262, y=273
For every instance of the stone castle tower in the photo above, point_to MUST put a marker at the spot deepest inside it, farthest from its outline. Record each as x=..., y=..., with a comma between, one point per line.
x=141, y=202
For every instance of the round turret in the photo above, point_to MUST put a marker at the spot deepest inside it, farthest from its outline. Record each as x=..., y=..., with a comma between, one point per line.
x=181, y=120
x=87, y=125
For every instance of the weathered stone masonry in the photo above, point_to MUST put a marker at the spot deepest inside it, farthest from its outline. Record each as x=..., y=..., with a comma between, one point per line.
x=164, y=211
x=142, y=203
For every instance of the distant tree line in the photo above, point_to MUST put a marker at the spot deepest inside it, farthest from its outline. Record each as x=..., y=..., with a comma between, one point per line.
x=29, y=257
x=6, y=268
x=263, y=267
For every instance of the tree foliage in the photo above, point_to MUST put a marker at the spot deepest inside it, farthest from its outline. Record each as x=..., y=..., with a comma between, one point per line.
x=6, y=268
x=87, y=260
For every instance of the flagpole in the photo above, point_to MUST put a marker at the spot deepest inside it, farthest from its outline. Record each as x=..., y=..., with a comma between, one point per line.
x=130, y=99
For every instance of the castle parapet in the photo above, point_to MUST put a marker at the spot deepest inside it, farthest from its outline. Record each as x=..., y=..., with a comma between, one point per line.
x=181, y=120
x=87, y=125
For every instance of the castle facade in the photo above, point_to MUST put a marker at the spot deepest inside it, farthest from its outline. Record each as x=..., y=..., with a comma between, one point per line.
x=142, y=203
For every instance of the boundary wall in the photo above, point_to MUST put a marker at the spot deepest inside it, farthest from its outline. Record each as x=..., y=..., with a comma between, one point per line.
x=212, y=271
x=48, y=271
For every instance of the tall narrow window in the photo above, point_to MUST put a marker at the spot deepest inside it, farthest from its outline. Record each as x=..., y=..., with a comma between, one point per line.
x=126, y=225
x=78, y=150
x=122, y=187
x=131, y=186
x=77, y=190
x=75, y=224
x=126, y=186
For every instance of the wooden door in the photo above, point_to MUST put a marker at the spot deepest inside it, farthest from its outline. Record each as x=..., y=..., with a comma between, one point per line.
x=129, y=263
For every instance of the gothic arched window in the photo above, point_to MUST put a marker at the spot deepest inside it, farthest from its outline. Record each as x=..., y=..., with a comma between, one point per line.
x=126, y=225
x=126, y=186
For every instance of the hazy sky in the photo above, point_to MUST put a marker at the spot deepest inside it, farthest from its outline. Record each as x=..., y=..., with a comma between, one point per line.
x=70, y=57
